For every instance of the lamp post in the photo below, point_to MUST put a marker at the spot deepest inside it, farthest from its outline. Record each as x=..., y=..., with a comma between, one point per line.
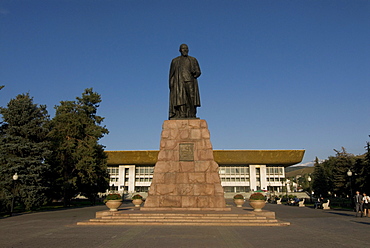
x=286, y=186
x=15, y=178
x=309, y=185
x=349, y=174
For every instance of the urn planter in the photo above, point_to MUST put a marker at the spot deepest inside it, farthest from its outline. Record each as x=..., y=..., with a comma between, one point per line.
x=113, y=205
x=239, y=202
x=257, y=205
x=137, y=202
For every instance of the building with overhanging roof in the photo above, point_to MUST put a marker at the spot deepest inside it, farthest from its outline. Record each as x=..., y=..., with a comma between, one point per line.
x=240, y=170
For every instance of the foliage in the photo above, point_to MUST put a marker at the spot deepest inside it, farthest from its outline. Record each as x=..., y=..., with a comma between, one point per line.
x=343, y=162
x=113, y=197
x=257, y=196
x=331, y=175
x=238, y=196
x=304, y=183
x=320, y=178
x=79, y=162
x=137, y=196
x=23, y=150
x=285, y=198
x=361, y=172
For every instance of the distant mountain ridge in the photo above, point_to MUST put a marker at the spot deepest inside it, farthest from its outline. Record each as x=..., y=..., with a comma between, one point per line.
x=294, y=168
x=298, y=171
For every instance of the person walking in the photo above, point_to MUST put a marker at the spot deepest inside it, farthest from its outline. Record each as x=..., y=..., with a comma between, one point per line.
x=358, y=199
x=366, y=202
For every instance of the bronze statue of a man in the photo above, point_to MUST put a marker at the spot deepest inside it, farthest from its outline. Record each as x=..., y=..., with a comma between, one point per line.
x=184, y=90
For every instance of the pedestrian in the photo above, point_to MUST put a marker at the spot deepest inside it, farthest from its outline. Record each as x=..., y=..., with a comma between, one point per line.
x=366, y=202
x=318, y=204
x=358, y=200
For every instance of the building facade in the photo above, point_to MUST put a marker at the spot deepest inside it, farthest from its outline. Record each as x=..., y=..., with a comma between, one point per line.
x=239, y=170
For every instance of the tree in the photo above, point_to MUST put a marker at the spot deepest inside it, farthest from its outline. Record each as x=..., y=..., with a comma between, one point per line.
x=343, y=162
x=23, y=150
x=320, y=184
x=361, y=171
x=79, y=162
x=304, y=183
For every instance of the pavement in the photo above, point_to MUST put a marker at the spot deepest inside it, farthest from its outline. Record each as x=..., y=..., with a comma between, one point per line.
x=309, y=228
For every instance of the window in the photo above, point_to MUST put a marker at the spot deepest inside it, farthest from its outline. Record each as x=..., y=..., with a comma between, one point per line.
x=144, y=173
x=234, y=173
x=113, y=171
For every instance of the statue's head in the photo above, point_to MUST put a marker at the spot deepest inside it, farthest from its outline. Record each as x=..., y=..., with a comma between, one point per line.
x=184, y=50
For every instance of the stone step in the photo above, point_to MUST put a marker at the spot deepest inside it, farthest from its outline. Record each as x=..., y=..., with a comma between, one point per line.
x=95, y=223
x=186, y=218
x=184, y=215
x=180, y=220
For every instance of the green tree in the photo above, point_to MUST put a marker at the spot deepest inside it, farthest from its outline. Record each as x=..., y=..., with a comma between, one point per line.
x=366, y=170
x=79, y=162
x=361, y=171
x=304, y=183
x=23, y=150
x=320, y=182
x=343, y=162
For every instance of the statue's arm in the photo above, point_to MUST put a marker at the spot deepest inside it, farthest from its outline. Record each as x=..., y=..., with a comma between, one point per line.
x=196, y=72
x=172, y=68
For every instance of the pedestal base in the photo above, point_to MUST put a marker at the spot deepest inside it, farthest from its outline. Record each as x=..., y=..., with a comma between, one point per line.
x=185, y=175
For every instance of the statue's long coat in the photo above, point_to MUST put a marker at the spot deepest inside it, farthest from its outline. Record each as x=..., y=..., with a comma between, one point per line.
x=177, y=91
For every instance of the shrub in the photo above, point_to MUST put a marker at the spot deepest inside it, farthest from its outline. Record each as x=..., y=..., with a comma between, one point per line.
x=238, y=196
x=137, y=197
x=257, y=196
x=113, y=197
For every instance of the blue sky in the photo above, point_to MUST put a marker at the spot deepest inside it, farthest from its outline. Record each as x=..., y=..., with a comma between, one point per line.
x=275, y=74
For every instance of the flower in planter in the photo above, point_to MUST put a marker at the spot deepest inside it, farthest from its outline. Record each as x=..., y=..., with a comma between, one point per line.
x=238, y=196
x=113, y=197
x=137, y=196
x=257, y=196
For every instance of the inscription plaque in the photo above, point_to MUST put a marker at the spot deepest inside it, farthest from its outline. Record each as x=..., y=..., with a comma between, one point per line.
x=186, y=152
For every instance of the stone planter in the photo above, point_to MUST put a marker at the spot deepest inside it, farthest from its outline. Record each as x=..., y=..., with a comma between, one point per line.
x=239, y=202
x=257, y=205
x=137, y=202
x=113, y=205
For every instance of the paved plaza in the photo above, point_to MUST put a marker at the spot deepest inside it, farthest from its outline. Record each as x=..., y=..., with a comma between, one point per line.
x=309, y=228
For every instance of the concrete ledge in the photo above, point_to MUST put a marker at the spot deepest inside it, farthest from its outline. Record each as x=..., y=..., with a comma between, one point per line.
x=101, y=214
x=265, y=213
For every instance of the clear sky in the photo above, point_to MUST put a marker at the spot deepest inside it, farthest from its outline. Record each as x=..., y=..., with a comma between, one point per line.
x=275, y=74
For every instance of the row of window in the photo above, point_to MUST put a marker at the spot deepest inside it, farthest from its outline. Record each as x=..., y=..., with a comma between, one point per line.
x=143, y=179
x=144, y=170
x=274, y=170
x=227, y=173
x=236, y=189
x=113, y=171
x=273, y=179
x=234, y=179
x=234, y=170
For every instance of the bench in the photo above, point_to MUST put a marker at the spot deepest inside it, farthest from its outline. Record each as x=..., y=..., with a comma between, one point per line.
x=301, y=203
x=326, y=205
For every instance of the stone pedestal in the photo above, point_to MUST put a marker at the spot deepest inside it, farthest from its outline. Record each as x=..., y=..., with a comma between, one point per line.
x=185, y=176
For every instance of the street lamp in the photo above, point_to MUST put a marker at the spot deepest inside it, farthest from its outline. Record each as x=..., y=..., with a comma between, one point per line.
x=309, y=184
x=286, y=186
x=15, y=178
x=349, y=174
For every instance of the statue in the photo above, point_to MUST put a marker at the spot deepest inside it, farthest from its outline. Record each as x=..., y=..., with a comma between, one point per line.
x=184, y=91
